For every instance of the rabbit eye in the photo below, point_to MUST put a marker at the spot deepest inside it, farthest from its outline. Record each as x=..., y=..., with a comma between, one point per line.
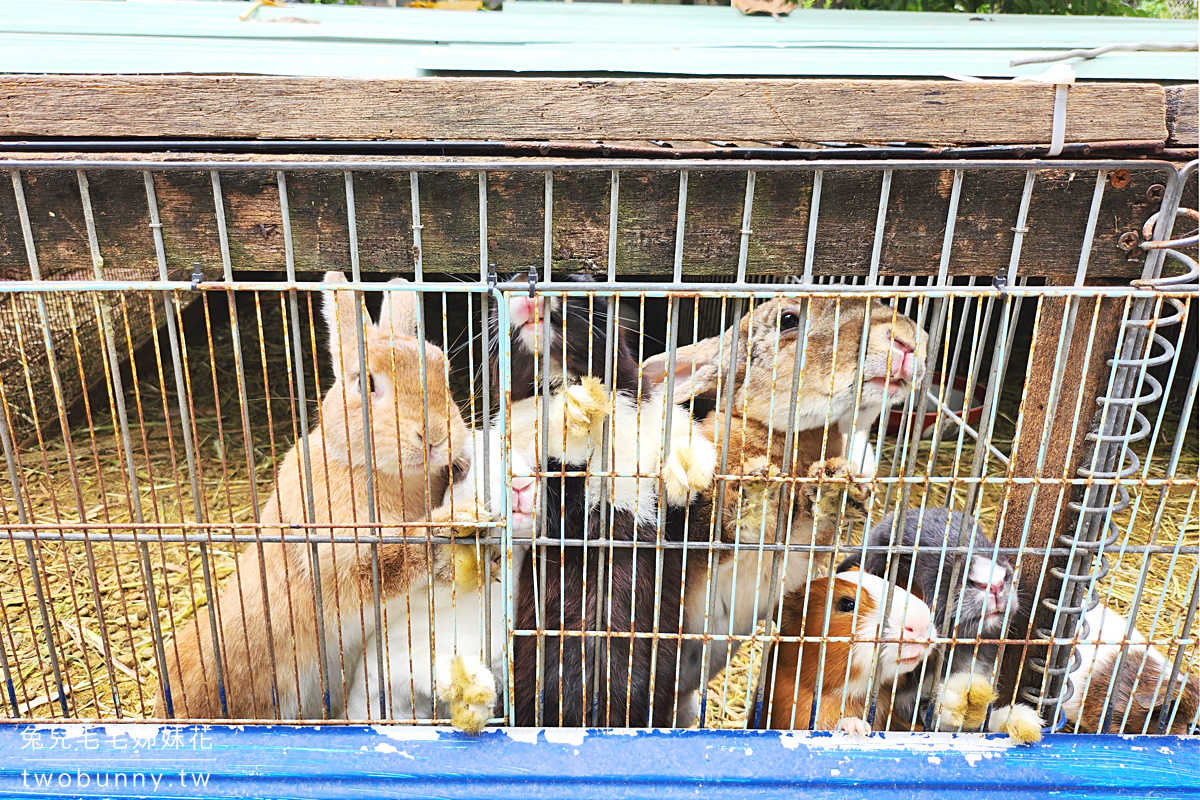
x=845, y=605
x=788, y=321
x=370, y=384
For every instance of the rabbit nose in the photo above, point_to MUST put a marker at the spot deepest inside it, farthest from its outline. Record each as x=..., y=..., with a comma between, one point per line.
x=521, y=309
x=904, y=362
x=522, y=494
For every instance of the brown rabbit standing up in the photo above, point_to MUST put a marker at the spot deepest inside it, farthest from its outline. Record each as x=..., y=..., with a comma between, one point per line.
x=727, y=591
x=269, y=644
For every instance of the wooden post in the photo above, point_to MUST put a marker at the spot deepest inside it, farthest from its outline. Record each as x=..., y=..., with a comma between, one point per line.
x=1048, y=424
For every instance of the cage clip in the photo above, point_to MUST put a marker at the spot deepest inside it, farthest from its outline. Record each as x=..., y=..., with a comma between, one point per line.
x=197, y=275
x=491, y=280
x=1000, y=283
x=532, y=282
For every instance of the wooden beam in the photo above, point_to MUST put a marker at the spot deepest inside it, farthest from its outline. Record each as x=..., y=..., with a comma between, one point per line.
x=1049, y=423
x=1183, y=110
x=163, y=106
x=913, y=233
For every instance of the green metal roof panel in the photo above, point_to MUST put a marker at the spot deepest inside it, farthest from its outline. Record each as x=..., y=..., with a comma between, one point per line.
x=790, y=62
x=85, y=36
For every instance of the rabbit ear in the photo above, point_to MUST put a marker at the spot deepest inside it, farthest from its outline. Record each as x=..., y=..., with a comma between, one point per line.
x=1152, y=693
x=697, y=368
x=851, y=562
x=337, y=308
x=398, y=314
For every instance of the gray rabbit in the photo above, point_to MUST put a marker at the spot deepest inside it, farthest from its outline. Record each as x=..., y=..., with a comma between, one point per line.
x=976, y=600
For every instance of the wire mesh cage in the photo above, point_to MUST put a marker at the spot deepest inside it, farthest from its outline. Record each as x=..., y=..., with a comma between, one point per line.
x=877, y=444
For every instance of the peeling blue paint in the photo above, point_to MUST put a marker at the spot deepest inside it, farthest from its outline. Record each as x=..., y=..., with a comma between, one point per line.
x=404, y=761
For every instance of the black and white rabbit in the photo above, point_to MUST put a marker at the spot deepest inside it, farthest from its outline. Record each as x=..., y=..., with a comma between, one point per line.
x=980, y=604
x=560, y=678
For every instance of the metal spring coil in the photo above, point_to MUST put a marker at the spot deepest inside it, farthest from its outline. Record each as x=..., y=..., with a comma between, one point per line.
x=1078, y=578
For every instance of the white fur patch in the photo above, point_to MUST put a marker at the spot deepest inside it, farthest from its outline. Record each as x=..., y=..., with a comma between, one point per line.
x=413, y=646
x=985, y=571
x=737, y=600
x=635, y=448
x=1106, y=637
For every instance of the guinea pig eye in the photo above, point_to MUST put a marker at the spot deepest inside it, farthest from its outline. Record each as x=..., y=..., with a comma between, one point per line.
x=788, y=321
x=846, y=605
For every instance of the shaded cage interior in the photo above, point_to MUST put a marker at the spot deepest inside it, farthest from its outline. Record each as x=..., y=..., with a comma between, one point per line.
x=136, y=434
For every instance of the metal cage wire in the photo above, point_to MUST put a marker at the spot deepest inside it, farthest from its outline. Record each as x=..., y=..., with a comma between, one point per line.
x=70, y=631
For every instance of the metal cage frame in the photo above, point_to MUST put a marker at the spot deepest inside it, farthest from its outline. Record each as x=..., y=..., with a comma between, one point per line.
x=1107, y=476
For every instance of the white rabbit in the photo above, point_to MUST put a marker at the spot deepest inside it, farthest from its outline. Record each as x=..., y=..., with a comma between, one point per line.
x=453, y=650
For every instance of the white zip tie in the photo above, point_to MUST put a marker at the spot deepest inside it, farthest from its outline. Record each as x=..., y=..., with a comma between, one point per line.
x=1061, y=76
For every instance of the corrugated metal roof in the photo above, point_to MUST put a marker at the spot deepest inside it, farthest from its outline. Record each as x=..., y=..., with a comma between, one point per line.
x=140, y=36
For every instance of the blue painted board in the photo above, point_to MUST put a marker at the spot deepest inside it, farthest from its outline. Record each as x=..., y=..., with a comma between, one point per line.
x=54, y=760
x=784, y=61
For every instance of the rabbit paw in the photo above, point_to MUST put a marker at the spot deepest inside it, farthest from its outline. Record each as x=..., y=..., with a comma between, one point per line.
x=471, y=692
x=1019, y=721
x=460, y=563
x=463, y=521
x=965, y=700
x=689, y=468
x=468, y=568
x=854, y=726
x=836, y=480
x=585, y=407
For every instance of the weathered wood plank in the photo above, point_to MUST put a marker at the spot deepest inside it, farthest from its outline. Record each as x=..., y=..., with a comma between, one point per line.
x=995, y=112
x=74, y=325
x=1183, y=111
x=449, y=207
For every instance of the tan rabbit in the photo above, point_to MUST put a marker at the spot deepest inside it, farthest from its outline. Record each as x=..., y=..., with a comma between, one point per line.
x=728, y=594
x=269, y=645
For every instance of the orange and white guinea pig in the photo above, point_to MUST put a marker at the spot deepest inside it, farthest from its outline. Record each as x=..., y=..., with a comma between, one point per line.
x=855, y=601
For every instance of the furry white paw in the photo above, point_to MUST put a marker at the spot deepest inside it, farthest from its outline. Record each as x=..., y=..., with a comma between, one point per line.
x=1019, y=721
x=965, y=700
x=463, y=522
x=854, y=726
x=471, y=693
x=688, y=469
x=585, y=407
